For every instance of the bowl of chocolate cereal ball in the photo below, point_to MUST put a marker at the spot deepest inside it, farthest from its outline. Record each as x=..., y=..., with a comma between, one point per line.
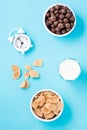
x=46, y=105
x=59, y=20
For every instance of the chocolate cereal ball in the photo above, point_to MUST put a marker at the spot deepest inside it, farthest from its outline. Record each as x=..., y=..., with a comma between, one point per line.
x=59, y=19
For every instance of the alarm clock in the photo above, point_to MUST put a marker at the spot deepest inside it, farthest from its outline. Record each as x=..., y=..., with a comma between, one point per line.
x=21, y=41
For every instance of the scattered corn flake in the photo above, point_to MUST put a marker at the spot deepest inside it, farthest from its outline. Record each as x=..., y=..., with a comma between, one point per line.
x=16, y=75
x=26, y=75
x=38, y=63
x=15, y=68
x=30, y=73
x=27, y=84
x=28, y=67
x=34, y=74
x=24, y=84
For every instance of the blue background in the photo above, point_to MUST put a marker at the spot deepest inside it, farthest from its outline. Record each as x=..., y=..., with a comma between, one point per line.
x=14, y=102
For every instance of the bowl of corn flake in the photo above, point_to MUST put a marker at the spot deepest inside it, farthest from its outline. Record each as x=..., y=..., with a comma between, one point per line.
x=47, y=105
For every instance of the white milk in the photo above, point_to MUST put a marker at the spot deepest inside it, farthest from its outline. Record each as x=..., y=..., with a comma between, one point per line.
x=69, y=69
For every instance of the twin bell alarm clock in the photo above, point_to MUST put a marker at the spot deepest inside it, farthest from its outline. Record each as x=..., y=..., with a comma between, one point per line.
x=20, y=40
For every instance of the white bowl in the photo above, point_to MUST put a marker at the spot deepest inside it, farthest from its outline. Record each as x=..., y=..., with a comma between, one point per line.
x=52, y=32
x=69, y=69
x=41, y=119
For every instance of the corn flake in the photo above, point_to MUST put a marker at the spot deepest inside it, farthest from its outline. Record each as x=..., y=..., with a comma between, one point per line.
x=24, y=84
x=52, y=99
x=15, y=68
x=28, y=67
x=38, y=63
x=26, y=75
x=16, y=75
x=34, y=74
x=45, y=110
x=38, y=112
x=49, y=116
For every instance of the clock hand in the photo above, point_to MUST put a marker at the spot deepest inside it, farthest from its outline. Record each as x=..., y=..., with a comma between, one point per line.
x=20, y=41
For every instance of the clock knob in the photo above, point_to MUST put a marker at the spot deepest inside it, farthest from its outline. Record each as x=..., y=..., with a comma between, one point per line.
x=20, y=30
x=12, y=34
x=10, y=39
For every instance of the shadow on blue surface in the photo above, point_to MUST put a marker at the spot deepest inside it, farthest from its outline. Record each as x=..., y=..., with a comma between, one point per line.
x=81, y=82
x=64, y=118
x=32, y=48
x=79, y=29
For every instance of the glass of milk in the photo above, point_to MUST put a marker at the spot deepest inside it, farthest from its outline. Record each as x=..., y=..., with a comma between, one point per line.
x=69, y=69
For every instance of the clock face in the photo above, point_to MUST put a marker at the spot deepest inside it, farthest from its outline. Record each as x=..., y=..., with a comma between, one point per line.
x=22, y=42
